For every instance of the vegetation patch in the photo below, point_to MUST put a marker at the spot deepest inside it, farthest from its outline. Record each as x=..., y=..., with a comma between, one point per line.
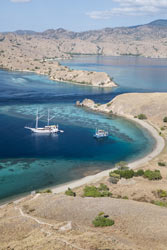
x=127, y=174
x=165, y=119
x=130, y=173
x=152, y=175
x=122, y=165
x=142, y=117
x=161, y=164
x=101, y=191
x=109, y=104
x=103, y=187
x=45, y=191
x=139, y=172
x=160, y=203
x=69, y=192
x=102, y=221
x=161, y=193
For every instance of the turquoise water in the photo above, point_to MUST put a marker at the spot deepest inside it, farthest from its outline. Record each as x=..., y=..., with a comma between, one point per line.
x=29, y=161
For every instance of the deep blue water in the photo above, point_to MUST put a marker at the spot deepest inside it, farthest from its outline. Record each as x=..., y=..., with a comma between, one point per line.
x=29, y=161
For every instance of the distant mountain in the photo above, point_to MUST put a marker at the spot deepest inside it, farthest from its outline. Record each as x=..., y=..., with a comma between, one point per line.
x=59, y=33
x=149, y=40
x=155, y=29
x=160, y=22
x=25, y=32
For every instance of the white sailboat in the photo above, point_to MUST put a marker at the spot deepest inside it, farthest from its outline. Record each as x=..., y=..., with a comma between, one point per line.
x=49, y=129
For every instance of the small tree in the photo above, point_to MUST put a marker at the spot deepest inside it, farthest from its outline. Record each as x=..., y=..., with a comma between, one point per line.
x=139, y=172
x=69, y=192
x=142, y=117
x=165, y=119
x=102, y=221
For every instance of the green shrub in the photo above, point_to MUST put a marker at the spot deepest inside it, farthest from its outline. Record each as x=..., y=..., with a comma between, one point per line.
x=101, y=213
x=48, y=191
x=142, y=117
x=115, y=175
x=160, y=203
x=103, y=187
x=92, y=191
x=106, y=194
x=162, y=193
x=139, y=172
x=165, y=119
x=127, y=174
x=162, y=164
x=125, y=197
x=152, y=175
x=69, y=192
x=102, y=221
x=122, y=165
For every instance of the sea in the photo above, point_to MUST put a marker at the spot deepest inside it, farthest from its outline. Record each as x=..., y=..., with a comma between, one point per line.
x=32, y=161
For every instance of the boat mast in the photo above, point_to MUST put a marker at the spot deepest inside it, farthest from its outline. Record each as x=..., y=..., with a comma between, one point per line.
x=48, y=117
x=36, y=126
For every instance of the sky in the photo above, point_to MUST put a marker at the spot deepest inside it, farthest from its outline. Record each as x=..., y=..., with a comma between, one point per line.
x=78, y=15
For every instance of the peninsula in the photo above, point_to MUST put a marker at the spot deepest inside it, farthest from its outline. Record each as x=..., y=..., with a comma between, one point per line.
x=25, y=54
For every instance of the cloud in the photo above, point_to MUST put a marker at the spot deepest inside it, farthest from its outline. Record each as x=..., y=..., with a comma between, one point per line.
x=20, y=1
x=132, y=8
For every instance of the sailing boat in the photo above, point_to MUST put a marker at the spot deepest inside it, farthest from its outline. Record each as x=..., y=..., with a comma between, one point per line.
x=49, y=129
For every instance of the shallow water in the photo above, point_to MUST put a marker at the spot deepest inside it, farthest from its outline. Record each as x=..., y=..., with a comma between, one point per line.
x=29, y=161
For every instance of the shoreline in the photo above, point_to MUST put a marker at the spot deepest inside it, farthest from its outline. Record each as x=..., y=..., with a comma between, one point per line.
x=91, y=179
x=51, y=78
x=158, y=148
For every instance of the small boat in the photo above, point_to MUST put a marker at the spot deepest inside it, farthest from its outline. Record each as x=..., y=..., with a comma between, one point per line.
x=49, y=129
x=100, y=133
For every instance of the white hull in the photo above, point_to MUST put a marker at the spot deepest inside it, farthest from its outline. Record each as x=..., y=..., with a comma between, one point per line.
x=49, y=129
x=42, y=130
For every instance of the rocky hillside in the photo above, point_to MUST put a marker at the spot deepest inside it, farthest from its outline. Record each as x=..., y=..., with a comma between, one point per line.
x=153, y=105
x=148, y=40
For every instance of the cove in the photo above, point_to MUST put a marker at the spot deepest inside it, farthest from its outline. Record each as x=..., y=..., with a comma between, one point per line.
x=29, y=162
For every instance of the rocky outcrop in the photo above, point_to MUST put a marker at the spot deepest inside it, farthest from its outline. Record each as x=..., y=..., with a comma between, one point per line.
x=88, y=103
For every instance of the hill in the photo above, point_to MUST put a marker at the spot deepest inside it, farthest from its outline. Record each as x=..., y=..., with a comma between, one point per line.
x=149, y=40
